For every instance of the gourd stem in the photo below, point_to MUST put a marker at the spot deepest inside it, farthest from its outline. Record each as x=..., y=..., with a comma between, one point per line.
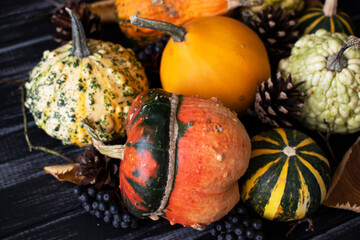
x=157, y=2
x=113, y=151
x=176, y=32
x=80, y=48
x=231, y=4
x=337, y=62
x=330, y=8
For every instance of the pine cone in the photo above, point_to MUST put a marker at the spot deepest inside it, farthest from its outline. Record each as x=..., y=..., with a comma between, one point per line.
x=276, y=29
x=277, y=101
x=90, y=22
x=97, y=169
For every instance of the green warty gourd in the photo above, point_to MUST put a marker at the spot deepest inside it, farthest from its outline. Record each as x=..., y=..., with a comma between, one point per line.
x=330, y=68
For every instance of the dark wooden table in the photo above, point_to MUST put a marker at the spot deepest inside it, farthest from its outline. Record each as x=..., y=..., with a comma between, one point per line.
x=34, y=205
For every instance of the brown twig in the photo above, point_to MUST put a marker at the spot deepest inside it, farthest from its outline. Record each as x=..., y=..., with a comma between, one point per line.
x=294, y=225
x=13, y=81
x=326, y=139
x=32, y=147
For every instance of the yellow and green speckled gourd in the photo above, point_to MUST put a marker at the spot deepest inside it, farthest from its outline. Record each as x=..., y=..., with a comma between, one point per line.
x=90, y=79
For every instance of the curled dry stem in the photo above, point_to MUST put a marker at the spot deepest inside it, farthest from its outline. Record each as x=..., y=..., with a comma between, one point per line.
x=326, y=139
x=30, y=145
x=113, y=151
x=294, y=225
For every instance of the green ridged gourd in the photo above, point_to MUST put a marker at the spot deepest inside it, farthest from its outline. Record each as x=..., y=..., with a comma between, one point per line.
x=90, y=79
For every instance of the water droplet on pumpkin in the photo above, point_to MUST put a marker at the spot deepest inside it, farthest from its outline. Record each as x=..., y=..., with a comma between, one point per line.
x=242, y=98
x=215, y=99
x=219, y=128
x=197, y=170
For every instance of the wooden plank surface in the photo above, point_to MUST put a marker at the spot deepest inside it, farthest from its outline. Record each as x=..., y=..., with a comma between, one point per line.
x=33, y=205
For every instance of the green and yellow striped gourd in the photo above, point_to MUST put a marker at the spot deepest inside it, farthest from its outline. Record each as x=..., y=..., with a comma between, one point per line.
x=325, y=17
x=90, y=79
x=288, y=175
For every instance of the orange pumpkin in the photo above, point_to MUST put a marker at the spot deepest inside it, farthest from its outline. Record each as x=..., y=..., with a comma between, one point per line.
x=176, y=12
x=213, y=57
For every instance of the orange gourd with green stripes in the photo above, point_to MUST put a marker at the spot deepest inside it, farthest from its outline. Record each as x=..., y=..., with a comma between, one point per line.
x=325, y=17
x=288, y=175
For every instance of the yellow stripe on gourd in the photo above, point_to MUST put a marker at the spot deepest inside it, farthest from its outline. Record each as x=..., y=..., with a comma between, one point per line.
x=264, y=151
x=317, y=155
x=80, y=107
x=251, y=182
x=308, y=16
x=318, y=177
x=305, y=142
x=347, y=25
x=332, y=25
x=259, y=138
x=311, y=26
x=282, y=133
x=304, y=197
x=273, y=207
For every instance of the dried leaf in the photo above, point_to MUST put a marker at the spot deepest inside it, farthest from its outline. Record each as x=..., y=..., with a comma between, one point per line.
x=104, y=9
x=312, y=3
x=344, y=191
x=65, y=172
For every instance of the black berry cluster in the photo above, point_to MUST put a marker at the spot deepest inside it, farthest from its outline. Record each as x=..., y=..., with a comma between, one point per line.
x=105, y=205
x=238, y=224
x=150, y=55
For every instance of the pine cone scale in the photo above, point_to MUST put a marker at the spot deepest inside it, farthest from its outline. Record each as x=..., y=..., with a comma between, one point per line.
x=278, y=100
x=97, y=169
x=277, y=31
x=90, y=21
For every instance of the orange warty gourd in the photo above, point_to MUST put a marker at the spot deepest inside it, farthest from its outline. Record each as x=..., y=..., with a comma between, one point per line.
x=176, y=12
x=212, y=57
x=182, y=158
